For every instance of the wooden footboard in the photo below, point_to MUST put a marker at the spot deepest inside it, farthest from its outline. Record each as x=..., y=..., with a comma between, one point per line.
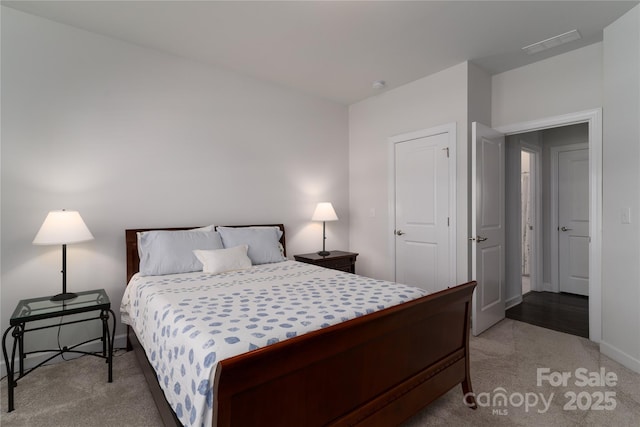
x=378, y=369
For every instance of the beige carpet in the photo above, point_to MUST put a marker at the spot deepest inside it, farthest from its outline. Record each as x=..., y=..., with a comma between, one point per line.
x=76, y=393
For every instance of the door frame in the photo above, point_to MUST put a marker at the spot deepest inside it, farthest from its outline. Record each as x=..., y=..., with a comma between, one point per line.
x=555, y=219
x=450, y=129
x=594, y=120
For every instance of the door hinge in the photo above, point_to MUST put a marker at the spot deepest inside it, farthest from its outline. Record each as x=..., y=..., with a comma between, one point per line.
x=447, y=150
x=448, y=223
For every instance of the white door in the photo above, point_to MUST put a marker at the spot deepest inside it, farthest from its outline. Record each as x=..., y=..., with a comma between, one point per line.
x=422, y=211
x=487, y=226
x=573, y=221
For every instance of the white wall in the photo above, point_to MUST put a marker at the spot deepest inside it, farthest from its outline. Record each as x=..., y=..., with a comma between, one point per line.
x=479, y=87
x=621, y=179
x=133, y=137
x=562, y=84
x=431, y=101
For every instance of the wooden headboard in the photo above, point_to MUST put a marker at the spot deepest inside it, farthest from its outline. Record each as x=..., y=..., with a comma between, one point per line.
x=133, y=261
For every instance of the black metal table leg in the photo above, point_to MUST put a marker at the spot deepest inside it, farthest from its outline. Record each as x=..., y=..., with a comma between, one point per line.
x=20, y=337
x=105, y=331
x=10, y=365
x=110, y=337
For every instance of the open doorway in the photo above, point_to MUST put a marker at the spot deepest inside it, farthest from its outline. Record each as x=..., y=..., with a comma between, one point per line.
x=528, y=212
x=539, y=259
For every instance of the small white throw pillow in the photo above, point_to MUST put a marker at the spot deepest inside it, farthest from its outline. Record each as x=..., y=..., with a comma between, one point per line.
x=218, y=261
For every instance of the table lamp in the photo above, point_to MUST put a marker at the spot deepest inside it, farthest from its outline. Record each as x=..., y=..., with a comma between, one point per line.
x=324, y=212
x=61, y=228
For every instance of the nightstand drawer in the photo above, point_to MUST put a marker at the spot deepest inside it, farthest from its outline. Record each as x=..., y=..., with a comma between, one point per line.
x=344, y=264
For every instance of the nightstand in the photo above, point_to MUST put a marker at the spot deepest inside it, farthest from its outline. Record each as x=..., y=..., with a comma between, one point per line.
x=337, y=260
x=34, y=309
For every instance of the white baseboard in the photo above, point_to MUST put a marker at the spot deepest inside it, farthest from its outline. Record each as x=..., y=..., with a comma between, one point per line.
x=512, y=302
x=620, y=356
x=120, y=341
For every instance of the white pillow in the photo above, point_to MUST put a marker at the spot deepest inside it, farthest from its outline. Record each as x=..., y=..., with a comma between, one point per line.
x=170, y=252
x=263, y=242
x=218, y=261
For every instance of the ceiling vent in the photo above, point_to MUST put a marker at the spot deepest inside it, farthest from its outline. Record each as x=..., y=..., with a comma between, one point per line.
x=552, y=42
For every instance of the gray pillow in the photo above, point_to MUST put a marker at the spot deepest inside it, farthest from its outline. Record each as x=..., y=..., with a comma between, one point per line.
x=171, y=252
x=263, y=242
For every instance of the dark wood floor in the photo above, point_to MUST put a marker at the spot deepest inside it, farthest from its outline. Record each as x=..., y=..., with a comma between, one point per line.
x=561, y=312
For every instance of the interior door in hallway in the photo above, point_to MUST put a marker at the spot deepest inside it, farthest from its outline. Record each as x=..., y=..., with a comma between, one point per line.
x=573, y=221
x=422, y=232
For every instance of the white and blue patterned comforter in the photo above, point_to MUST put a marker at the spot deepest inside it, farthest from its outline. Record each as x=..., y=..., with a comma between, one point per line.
x=189, y=322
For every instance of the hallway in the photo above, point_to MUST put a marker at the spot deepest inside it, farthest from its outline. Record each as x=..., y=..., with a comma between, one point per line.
x=561, y=312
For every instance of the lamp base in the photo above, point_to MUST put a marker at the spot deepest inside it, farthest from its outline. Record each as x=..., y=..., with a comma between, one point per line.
x=63, y=297
x=324, y=253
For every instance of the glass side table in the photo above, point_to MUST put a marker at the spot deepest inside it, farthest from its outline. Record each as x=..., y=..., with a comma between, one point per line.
x=30, y=310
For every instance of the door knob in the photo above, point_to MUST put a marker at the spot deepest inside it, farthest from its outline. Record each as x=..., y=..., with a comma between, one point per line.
x=399, y=232
x=566, y=229
x=478, y=238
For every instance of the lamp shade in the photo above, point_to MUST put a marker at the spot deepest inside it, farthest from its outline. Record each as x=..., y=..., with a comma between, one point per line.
x=62, y=227
x=324, y=212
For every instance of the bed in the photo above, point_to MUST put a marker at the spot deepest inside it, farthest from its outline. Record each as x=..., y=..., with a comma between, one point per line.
x=378, y=368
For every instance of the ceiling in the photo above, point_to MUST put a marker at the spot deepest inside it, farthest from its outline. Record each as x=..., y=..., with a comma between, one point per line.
x=336, y=49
